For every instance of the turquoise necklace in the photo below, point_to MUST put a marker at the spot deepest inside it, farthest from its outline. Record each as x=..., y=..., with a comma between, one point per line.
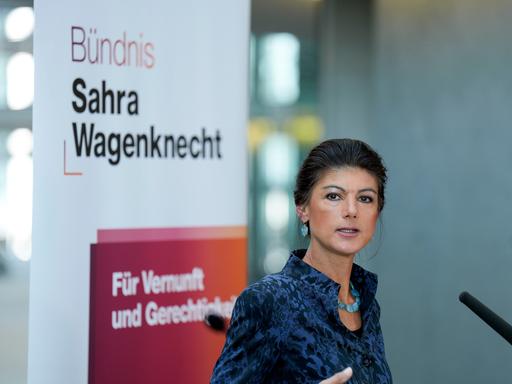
x=354, y=307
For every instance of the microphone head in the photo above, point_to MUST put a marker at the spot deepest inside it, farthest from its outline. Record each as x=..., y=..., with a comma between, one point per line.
x=464, y=296
x=215, y=321
x=487, y=315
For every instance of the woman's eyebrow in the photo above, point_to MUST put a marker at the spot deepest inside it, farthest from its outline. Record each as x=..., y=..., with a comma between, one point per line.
x=334, y=186
x=343, y=190
x=368, y=190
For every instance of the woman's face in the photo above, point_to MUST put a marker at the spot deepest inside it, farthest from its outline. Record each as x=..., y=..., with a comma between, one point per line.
x=342, y=211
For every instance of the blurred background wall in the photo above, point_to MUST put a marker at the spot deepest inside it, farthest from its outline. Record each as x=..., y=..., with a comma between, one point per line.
x=443, y=90
x=16, y=95
x=427, y=83
x=439, y=100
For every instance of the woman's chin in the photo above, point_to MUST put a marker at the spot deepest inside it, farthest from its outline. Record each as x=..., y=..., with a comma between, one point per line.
x=348, y=248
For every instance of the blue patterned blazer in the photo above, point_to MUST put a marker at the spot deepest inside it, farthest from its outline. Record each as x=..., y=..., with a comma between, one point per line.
x=285, y=328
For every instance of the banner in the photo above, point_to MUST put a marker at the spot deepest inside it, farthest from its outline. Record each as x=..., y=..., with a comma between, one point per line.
x=139, y=224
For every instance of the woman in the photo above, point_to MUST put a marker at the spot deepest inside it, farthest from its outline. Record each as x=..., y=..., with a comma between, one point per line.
x=319, y=315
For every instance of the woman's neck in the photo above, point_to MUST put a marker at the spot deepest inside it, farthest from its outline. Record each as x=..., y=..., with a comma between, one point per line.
x=337, y=267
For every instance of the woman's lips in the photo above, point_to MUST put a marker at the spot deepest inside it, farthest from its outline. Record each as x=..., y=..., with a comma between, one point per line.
x=347, y=232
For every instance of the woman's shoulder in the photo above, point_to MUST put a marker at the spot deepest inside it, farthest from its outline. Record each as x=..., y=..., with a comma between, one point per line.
x=270, y=285
x=270, y=295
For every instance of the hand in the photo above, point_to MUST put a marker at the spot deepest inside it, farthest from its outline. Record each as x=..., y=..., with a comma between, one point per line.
x=339, y=378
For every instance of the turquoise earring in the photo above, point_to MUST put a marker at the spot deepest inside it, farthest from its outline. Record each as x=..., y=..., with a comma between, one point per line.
x=304, y=229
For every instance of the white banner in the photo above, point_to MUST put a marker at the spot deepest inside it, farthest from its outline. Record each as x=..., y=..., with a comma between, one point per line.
x=139, y=125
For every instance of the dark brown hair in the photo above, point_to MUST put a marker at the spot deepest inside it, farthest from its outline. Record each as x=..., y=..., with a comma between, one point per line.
x=338, y=153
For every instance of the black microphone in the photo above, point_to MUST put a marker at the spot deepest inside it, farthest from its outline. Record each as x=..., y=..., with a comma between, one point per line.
x=491, y=318
x=215, y=321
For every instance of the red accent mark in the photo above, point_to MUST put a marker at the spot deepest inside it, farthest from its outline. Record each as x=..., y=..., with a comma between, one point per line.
x=66, y=173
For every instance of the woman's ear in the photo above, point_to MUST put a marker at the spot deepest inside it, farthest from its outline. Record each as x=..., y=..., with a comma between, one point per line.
x=302, y=213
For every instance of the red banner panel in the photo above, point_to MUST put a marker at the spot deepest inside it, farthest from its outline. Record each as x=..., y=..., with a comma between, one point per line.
x=147, y=305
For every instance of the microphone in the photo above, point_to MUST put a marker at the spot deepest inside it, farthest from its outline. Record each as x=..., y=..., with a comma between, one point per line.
x=491, y=318
x=215, y=321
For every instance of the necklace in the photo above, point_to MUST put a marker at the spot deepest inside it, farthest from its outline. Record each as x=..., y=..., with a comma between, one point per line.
x=354, y=307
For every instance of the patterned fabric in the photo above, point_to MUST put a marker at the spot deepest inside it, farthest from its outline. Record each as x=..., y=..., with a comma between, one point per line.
x=285, y=328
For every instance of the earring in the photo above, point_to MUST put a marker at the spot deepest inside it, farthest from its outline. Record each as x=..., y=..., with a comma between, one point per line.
x=304, y=229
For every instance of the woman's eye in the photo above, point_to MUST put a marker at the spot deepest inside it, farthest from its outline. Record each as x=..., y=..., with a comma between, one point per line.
x=365, y=199
x=332, y=196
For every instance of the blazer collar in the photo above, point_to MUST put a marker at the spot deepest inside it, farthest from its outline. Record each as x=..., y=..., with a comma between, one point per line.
x=364, y=281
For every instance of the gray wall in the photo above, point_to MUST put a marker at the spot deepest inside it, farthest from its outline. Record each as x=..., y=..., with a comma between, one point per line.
x=345, y=67
x=441, y=113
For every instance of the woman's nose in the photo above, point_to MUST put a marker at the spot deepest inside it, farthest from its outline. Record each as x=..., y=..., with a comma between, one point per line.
x=350, y=208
